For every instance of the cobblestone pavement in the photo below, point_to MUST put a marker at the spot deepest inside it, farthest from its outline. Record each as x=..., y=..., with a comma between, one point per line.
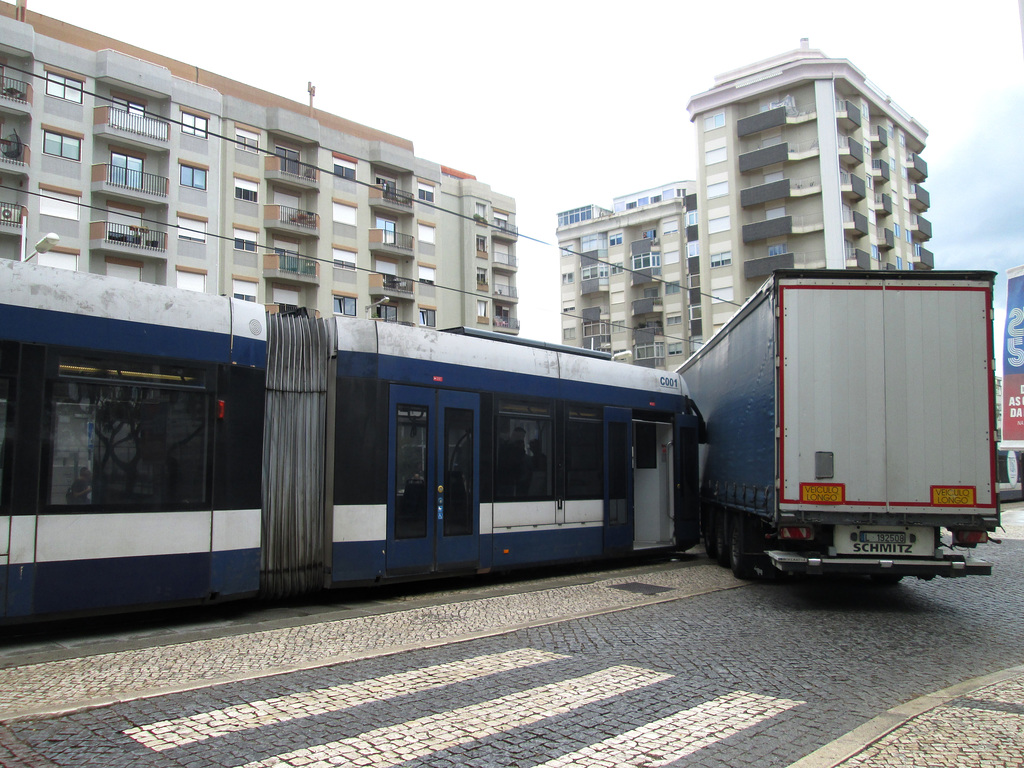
x=666, y=666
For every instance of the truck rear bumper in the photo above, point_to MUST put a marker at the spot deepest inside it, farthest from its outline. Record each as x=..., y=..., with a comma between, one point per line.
x=810, y=563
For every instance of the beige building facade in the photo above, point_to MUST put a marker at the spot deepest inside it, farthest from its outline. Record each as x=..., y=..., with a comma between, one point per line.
x=803, y=162
x=153, y=170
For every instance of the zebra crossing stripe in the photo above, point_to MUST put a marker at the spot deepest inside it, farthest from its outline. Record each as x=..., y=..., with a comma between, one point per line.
x=395, y=744
x=666, y=740
x=167, y=734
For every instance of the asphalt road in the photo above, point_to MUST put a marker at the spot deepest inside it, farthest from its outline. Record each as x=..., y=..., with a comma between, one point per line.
x=732, y=675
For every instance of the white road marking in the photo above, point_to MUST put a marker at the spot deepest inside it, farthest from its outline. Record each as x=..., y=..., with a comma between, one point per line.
x=167, y=734
x=396, y=744
x=665, y=741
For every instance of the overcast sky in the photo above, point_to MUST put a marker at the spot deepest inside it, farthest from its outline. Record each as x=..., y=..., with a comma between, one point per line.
x=561, y=104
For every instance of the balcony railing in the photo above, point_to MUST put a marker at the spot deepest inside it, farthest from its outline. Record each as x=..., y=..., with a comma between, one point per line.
x=139, y=124
x=506, y=290
x=506, y=259
x=392, y=238
x=297, y=265
x=503, y=226
x=509, y=323
x=300, y=218
x=10, y=214
x=13, y=151
x=15, y=90
x=395, y=284
x=128, y=178
x=133, y=236
x=391, y=194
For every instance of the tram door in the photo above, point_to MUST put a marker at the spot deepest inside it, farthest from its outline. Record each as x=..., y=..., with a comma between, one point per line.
x=433, y=481
x=618, y=473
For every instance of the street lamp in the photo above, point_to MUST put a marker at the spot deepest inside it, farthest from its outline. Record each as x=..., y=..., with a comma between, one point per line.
x=49, y=240
x=385, y=300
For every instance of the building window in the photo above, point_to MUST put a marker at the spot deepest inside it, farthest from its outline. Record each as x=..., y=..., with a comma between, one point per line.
x=695, y=311
x=723, y=259
x=344, y=259
x=247, y=140
x=192, y=281
x=246, y=190
x=194, y=125
x=693, y=248
x=646, y=260
x=345, y=305
x=716, y=120
x=427, y=274
x=193, y=177
x=427, y=233
x=60, y=205
x=670, y=227
x=650, y=351
x=649, y=234
x=722, y=295
x=425, y=192
x=568, y=278
x=243, y=289
x=720, y=224
x=63, y=87
x=691, y=218
x=428, y=317
x=593, y=271
x=778, y=249
x=245, y=240
x=670, y=257
x=481, y=210
x=568, y=334
x=191, y=229
x=674, y=319
x=672, y=288
x=60, y=145
x=713, y=156
x=718, y=190
x=615, y=239
x=481, y=309
x=675, y=348
x=344, y=214
x=481, y=244
x=617, y=268
x=874, y=253
x=576, y=215
x=594, y=242
x=896, y=230
x=346, y=169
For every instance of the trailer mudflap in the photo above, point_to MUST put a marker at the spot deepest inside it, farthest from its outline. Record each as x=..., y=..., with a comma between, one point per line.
x=811, y=563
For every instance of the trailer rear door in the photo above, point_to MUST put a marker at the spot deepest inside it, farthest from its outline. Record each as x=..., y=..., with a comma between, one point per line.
x=886, y=400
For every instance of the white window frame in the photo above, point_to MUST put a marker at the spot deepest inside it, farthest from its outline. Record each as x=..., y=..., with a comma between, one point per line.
x=344, y=259
x=427, y=233
x=427, y=274
x=246, y=186
x=59, y=86
x=718, y=189
x=60, y=205
x=345, y=214
x=348, y=169
x=191, y=281
x=195, y=125
x=247, y=141
x=717, y=120
x=192, y=230
x=712, y=156
x=719, y=224
x=240, y=289
x=425, y=192
x=64, y=139
x=247, y=238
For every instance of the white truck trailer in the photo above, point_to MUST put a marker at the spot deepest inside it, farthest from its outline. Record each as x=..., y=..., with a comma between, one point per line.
x=850, y=422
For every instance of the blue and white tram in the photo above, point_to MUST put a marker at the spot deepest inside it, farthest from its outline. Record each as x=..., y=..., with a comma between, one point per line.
x=128, y=476
x=462, y=453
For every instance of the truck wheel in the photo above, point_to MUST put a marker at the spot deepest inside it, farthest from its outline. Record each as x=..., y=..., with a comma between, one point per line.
x=707, y=532
x=886, y=579
x=723, y=550
x=743, y=560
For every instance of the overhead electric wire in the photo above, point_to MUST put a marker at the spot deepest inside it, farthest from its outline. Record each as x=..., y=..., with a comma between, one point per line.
x=660, y=330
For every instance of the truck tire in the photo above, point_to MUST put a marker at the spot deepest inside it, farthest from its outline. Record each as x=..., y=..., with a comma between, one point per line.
x=707, y=532
x=740, y=545
x=723, y=555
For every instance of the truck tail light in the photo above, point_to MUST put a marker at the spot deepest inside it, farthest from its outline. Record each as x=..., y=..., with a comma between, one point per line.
x=801, y=532
x=970, y=537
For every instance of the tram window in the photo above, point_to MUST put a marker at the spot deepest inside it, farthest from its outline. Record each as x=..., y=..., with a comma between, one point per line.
x=523, y=468
x=458, y=472
x=584, y=455
x=127, y=444
x=646, y=437
x=3, y=429
x=411, y=472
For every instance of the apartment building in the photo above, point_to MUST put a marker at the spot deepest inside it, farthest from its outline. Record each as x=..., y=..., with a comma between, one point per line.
x=803, y=162
x=625, y=285
x=153, y=170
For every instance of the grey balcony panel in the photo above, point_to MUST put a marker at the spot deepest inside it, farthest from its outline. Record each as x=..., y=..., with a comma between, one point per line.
x=641, y=276
x=649, y=362
x=759, y=158
x=762, y=230
x=641, y=246
x=762, y=121
x=858, y=186
x=764, y=267
x=588, y=259
x=926, y=259
x=593, y=285
x=696, y=328
x=917, y=168
x=880, y=168
x=591, y=314
x=852, y=116
x=292, y=124
x=643, y=306
x=763, y=193
x=886, y=239
x=921, y=197
x=860, y=257
x=860, y=223
x=694, y=296
x=856, y=150
x=880, y=136
x=646, y=335
x=692, y=232
x=693, y=265
x=924, y=227
x=691, y=202
x=120, y=69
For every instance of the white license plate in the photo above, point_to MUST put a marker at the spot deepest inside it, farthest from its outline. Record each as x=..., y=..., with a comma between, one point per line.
x=884, y=541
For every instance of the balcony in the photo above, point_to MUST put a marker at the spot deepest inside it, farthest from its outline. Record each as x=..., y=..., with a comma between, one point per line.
x=387, y=241
x=506, y=324
x=755, y=268
x=14, y=156
x=880, y=169
x=780, y=226
x=923, y=259
x=759, y=158
x=646, y=275
x=291, y=173
x=886, y=238
x=882, y=204
x=391, y=287
x=286, y=267
x=506, y=262
x=10, y=217
x=851, y=153
x=920, y=227
x=503, y=230
x=847, y=114
x=647, y=306
x=920, y=200
x=879, y=137
x=917, y=169
x=15, y=96
x=852, y=187
x=857, y=258
x=760, y=194
x=783, y=114
x=509, y=292
x=139, y=130
x=293, y=220
x=855, y=222
x=387, y=197
x=126, y=238
x=118, y=181
x=593, y=285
